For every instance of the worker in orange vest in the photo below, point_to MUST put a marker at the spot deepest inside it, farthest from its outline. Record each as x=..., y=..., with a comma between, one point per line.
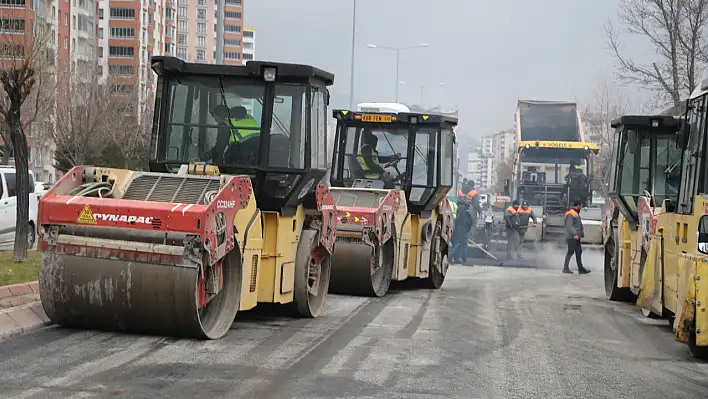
x=573, y=233
x=511, y=220
x=525, y=214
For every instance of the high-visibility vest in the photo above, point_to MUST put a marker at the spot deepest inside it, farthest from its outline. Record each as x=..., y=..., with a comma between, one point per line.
x=472, y=193
x=365, y=166
x=453, y=207
x=522, y=210
x=571, y=212
x=512, y=210
x=239, y=124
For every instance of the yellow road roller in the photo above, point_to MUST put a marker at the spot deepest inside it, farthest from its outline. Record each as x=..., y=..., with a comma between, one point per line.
x=233, y=212
x=391, y=172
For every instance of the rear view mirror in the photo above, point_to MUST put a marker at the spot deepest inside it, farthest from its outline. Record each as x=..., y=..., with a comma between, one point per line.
x=632, y=141
x=702, y=234
x=683, y=135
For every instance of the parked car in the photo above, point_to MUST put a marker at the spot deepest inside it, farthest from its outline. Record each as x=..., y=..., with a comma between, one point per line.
x=8, y=208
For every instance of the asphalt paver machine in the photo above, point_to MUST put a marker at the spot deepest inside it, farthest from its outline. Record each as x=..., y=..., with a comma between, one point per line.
x=397, y=226
x=233, y=212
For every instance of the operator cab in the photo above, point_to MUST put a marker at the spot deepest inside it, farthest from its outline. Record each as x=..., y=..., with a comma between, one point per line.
x=646, y=162
x=416, y=151
x=263, y=119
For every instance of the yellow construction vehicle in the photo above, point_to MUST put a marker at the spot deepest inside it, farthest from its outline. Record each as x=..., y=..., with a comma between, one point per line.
x=233, y=213
x=394, y=219
x=654, y=223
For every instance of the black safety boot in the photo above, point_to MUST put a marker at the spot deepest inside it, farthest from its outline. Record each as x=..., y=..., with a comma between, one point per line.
x=582, y=270
x=567, y=271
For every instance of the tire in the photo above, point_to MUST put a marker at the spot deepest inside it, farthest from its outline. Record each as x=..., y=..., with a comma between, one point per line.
x=438, y=266
x=612, y=292
x=307, y=304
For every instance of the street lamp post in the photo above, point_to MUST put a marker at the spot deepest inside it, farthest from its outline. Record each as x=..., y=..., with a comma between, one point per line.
x=351, y=82
x=422, y=88
x=398, y=57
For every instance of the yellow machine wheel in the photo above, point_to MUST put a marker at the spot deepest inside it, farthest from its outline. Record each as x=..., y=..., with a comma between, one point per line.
x=613, y=292
x=138, y=297
x=311, y=278
x=438, y=260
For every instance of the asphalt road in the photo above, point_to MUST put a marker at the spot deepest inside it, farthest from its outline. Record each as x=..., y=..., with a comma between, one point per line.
x=490, y=332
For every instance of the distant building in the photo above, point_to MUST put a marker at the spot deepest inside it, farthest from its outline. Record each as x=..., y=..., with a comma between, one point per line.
x=249, y=43
x=479, y=169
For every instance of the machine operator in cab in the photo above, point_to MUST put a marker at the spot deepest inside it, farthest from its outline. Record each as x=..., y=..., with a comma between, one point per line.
x=369, y=160
x=235, y=126
x=525, y=214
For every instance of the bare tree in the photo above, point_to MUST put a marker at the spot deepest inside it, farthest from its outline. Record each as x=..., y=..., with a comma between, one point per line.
x=25, y=78
x=607, y=102
x=675, y=29
x=504, y=172
x=84, y=117
x=132, y=139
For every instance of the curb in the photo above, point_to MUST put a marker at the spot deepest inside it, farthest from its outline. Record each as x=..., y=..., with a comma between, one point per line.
x=19, y=289
x=23, y=318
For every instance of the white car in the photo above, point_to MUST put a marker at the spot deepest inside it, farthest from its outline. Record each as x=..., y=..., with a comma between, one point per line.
x=8, y=208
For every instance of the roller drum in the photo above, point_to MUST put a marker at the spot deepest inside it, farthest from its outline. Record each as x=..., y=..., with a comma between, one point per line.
x=352, y=270
x=138, y=297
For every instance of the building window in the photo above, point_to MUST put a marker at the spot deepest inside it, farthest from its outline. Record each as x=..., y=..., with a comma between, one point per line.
x=8, y=51
x=182, y=52
x=66, y=19
x=66, y=42
x=54, y=11
x=232, y=15
x=168, y=48
x=122, y=89
x=182, y=26
x=201, y=55
x=201, y=2
x=100, y=33
x=121, y=51
x=201, y=27
x=247, y=57
x=100, y=13
x=247, y=33
x=232, y=55
x=232, y=42
x=170, y=31
x=168, y=13
x=201, y=13
x=73, y=21
x=122, y=33
x=12, y=3
x=120, y=70
x=248, y=45
x=233, y=2
x=201, y=41
x=73, y=43
x=100, y=51
x=123, y=13
x=232, y=28
x=182, y=39
x=12, y=25
x=182, y=12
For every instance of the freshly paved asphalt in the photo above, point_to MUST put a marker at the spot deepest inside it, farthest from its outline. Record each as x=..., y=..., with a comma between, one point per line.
x=490, y=332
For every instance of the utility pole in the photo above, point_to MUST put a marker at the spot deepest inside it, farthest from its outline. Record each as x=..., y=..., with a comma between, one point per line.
x=220, y=32
x=398, y=57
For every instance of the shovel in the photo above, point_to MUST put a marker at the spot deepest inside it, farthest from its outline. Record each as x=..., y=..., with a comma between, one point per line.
x=501, y=263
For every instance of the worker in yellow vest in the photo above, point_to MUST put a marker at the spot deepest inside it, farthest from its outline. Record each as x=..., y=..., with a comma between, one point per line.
x=235, y=126
x=369, y=160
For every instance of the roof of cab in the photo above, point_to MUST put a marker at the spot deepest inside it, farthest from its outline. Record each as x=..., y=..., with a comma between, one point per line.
x=401, y=117
x=669, y=122
x=285, y=71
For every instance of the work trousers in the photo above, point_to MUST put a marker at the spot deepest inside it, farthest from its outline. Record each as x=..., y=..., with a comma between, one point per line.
x=458, y=253
x=512, y=243
x=574, y=247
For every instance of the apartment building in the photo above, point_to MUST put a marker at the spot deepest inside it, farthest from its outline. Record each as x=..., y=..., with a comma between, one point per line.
x=249, y=43
x=479, y=169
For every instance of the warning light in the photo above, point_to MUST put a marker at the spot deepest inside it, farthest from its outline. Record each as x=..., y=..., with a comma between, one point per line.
x=538, y=143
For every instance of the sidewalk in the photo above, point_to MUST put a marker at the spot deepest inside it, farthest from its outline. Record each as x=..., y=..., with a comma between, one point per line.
x=20, y=309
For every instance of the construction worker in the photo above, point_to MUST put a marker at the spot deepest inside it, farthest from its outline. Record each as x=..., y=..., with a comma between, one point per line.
x=511, y=220
x=573, y=233
x=463, y=224
x=368, y=158
x=240, y=122
x=461, y=191
x=230, y=130
x=525, y=214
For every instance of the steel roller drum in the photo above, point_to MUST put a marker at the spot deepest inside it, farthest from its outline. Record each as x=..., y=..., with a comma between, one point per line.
x=352, y=270
x=143, y=296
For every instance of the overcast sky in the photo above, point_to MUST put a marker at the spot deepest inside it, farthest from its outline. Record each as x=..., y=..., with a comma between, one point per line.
x=488, y=52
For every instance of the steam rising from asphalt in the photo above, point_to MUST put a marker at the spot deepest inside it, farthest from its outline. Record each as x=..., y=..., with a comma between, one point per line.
x=546, y=255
